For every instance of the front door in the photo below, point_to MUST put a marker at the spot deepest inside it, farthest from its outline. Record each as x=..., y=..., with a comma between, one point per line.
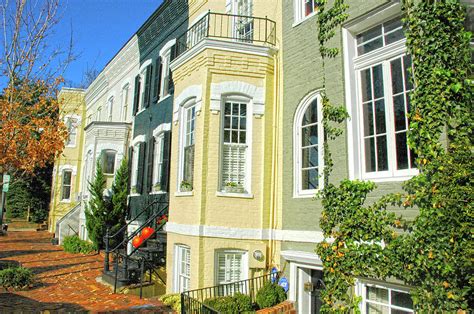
x=310, y=284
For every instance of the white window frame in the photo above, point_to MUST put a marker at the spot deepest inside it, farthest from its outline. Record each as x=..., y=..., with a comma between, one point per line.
x=244, y=266
x=298, y=190
x=361, y=289
x=125, y=99
x=180, y=278
x=158, y=159
x=165, y=54
x=353, y=65
x=110, y=108
x=299, y=11
x=74, y=127
x=135, y=156
x=182, y=139
x=103, y=162
x=99, y=110
x=66, y=200
x=247, y=184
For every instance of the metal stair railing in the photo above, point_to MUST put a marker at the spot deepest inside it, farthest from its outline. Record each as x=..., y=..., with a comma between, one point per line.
x=123, y=231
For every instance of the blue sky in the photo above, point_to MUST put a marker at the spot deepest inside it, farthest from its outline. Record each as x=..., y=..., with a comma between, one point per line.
x=100, y=28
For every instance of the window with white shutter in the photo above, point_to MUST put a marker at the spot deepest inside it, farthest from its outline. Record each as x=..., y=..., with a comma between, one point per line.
x=182, y=268
x=234, y=146
x=231, y=267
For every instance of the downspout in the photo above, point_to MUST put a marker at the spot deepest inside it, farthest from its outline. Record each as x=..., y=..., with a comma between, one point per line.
x=274, y=176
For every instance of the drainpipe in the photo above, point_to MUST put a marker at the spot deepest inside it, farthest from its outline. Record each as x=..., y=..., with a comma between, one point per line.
x=274, y=176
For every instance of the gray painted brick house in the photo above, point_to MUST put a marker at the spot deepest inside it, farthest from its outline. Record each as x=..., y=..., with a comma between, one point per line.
x=370, y=78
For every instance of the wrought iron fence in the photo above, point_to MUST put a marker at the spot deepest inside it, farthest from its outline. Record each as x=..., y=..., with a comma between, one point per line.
x=193, y=301
x=231, y=27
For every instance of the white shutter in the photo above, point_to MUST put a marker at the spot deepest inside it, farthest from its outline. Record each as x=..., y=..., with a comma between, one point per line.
x=233, y=164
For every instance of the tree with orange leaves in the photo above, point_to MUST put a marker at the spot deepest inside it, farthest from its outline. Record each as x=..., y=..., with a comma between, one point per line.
x=31, y=131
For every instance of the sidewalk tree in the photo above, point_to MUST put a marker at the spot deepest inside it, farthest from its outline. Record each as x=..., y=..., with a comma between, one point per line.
x=31, y=132
x=106, y=212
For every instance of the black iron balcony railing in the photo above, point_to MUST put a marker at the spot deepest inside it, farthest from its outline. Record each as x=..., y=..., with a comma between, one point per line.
x=193, y=301
x=230, y=27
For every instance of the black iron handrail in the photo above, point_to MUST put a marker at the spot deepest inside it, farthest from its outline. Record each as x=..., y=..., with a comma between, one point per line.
x=192, y=301
x=230, y=27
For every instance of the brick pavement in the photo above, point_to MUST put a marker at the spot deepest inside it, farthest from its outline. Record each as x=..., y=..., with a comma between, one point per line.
x=65, y=282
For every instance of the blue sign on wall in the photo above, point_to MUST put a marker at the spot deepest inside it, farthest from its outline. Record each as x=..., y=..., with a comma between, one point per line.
x=283, y=282
x=274, y=271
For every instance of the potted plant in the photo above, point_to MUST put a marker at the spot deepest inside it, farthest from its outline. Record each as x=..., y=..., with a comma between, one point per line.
x=185, y=186
x=233, y=187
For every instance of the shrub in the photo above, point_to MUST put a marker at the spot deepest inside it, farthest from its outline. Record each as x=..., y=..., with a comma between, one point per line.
x=16, y=278
x=73, y=244
x=269, y=295
x=237, y=303
x=172, y=300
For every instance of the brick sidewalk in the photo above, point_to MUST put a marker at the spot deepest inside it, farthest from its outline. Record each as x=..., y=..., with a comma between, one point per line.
x=65, y=282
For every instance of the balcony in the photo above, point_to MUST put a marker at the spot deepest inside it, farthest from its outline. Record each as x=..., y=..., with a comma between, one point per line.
x=227, y=27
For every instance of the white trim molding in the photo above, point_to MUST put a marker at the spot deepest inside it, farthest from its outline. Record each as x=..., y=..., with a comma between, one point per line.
x=167, y=46
x=255, y=93
x=193, y=91
x=223, y=45
x=145, y=64
x=301, y=257
x=161, y=128
x=67, y=167
x=245, y=233
x=138, y=139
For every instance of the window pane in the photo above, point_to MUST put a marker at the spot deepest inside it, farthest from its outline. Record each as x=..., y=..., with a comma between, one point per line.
x=235, y=109
x=309, y=135
x=408, y=69
x=380, y=116
x=227, y=108
x=392, y=24
x=402, y=151
x=369, y=154
x=243, y=136
x=66, y=192
x=370, y=34
x=397, y=78
x=235, y=137
x=370, y=46
x=366, y=82
x=310, y=179
x=311, y=114
x=368, y=119
x=243, y=110
x=377, y=309
x=227, y=136
x=377, y=294
x=378, y=81
x=235, y=123
x=382, y=158
x=226, y=122
x=401, y=299
x=399, y=111
x=67, y=177
x=394, y=36
x=310, y=157
x=108, y=162
x=243, y=123
x=188, y=164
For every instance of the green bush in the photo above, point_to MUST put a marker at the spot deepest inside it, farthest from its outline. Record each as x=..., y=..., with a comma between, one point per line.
x=73, y=244
x=16, y=277
x=172, y=300
x=269, y=295
x=237, y=303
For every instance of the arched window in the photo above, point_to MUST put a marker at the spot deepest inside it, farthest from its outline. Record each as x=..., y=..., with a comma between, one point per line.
x=308, y=145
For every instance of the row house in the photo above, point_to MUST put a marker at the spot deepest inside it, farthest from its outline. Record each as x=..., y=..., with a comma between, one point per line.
x=66, y=184
x=108, y=126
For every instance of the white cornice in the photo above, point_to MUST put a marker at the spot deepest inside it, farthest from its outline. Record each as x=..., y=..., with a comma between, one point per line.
x=245, y=233
x=301, y=257
x=232, y=46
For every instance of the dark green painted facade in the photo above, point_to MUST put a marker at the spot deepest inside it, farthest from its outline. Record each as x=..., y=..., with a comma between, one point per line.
x=167, y=23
